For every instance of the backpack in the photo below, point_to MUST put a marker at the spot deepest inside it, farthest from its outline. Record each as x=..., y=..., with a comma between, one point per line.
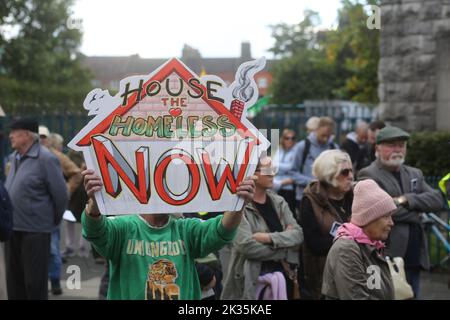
x=306, y=151
x=6, y=215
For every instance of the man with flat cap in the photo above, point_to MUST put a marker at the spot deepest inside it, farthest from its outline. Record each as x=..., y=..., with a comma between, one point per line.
x=39, y=196
x=412, y=195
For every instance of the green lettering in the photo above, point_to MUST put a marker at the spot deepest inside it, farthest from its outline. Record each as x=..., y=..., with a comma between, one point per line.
x=117, y=124
x=154, y=125
x=179, y=128
x=139, y=126
x=168, y=133
x=193, y=133
x=211, y=127
x=225, y=123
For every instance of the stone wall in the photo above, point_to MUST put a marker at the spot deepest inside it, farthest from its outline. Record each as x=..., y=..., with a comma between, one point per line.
x=413, y=77
x=443, y=89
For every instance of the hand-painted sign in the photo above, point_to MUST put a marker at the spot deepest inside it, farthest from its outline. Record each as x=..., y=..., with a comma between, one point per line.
x=171, y=141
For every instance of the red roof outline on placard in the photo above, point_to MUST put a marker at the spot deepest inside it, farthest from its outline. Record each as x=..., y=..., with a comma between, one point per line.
x=173, y=65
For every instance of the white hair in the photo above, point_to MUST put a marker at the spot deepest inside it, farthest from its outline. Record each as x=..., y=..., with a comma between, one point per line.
x=362, y=125
x=56, y=140
x=312, y=123
x=394, y=161
x=35, y=136
x=328, y=164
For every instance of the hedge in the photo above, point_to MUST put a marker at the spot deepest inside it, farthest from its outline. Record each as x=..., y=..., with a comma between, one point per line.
x=430, y=152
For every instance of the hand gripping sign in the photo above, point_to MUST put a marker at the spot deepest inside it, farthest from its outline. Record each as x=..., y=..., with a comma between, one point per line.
x=171, y=141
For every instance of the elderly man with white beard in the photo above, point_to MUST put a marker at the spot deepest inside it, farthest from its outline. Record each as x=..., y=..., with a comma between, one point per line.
x=412, y=195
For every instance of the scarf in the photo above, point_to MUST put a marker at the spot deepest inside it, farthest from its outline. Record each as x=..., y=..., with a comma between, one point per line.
x=355, y=233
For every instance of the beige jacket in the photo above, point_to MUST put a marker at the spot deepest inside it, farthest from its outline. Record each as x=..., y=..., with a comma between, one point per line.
x=70, y=171
x=247, y=254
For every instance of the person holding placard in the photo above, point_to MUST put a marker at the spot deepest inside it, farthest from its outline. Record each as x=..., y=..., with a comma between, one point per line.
x=152, y=255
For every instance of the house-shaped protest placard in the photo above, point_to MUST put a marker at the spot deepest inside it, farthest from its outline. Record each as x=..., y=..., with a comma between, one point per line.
x=171, y=141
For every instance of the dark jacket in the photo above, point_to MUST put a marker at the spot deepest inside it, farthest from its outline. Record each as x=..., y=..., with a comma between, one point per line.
x=317, y=216
x=37, y=189
x=359, y=154
x=352, y=148
x=421, y=198
x=79, y=198
x=350, y=273
x=302, y=172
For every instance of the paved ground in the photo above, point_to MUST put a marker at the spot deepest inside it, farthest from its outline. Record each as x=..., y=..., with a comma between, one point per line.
x=433, y=285
x=90, y=274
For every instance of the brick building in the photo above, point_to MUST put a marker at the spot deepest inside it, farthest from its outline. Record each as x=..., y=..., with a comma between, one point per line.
x=108, y=71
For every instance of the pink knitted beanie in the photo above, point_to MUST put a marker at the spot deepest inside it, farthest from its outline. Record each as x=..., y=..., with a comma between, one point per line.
x=370, y=202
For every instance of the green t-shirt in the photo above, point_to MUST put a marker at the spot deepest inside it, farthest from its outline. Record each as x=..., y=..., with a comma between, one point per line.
x=154, y=263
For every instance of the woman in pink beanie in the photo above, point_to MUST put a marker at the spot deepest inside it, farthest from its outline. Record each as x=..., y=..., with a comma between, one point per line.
x=356, y=268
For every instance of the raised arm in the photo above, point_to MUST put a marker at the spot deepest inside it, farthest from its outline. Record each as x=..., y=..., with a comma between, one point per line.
x=245, y=190
x=104, y=233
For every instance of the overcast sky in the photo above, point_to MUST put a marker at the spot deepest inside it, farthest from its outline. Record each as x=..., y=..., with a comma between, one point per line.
x=159, y=29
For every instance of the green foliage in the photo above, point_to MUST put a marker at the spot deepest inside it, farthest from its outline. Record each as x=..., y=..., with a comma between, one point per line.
x=303, y=76
x=304, y=72
x=355, y=48
x=430, y=152
x=327, y=64
x=20, y=97
x=292, y=39
x=40, y=62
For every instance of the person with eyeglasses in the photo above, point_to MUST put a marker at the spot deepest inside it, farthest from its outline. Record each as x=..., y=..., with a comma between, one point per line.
x=283, y=160
x=326, y=204
x=265, y=247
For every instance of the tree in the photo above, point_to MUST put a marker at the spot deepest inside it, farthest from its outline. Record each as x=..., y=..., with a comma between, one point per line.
x=356, y=48
x=304, y=71
x=292, y=39
x=304, y=76
x=42, y=54
x=327, y=64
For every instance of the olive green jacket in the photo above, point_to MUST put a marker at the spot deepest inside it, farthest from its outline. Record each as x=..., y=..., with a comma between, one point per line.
x=356, y=272
x=247, y=254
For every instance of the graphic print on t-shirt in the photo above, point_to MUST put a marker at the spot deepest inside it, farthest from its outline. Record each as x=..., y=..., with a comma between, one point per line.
x=161, y=281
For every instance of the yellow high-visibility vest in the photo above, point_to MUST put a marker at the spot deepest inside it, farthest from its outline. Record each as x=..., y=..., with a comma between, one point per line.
x=444, y=185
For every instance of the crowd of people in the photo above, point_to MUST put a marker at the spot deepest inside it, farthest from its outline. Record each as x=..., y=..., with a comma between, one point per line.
x=317, y=218
x=42, y=183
